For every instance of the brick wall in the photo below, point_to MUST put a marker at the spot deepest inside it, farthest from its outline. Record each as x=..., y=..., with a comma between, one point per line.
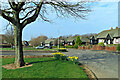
x=95, y=47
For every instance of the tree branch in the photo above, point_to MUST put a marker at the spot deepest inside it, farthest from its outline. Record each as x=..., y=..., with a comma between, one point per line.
x=27, y=14
x=12, y=4
x=21, y=4
x=33, y=18
x=7, y=17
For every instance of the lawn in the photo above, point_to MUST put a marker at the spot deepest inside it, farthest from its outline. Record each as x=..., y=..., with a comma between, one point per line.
x=34, y=49
x=44, y=68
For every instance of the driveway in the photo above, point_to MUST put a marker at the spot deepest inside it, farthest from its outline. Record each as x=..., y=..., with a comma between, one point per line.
x=103, y=63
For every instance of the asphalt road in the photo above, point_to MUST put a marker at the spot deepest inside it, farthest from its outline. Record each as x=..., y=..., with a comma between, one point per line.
x=104, y=64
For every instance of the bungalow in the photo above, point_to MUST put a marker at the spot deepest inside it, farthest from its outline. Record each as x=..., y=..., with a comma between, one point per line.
x=49, y=42
x=85, y=41
x=93, y=40
x=111, y=36
x=71, y=40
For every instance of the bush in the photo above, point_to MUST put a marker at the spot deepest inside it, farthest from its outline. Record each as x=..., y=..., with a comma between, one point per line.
x=63, y=57
x=76, y=46
x=69, y=46
x=118, y=47
x=77, y=42
x=73, y=59
x=101, y=44
x=59, y=56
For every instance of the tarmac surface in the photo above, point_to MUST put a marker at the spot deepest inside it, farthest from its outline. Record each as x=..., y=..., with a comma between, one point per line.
x=104, y=64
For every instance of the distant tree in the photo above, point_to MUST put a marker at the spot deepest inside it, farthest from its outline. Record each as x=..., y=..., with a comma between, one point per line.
x=10, y=36
x=37, y=41
x=77, y=42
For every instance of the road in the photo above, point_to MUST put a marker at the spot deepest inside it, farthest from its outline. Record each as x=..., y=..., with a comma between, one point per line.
x=103, y=63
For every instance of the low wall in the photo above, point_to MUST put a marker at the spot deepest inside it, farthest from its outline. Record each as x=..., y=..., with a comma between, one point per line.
x=95, y=47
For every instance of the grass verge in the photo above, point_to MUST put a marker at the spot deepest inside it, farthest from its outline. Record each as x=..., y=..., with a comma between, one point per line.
x=44, y=68
x=34, y=49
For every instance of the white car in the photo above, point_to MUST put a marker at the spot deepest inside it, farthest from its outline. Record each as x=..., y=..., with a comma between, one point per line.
x=39, y=47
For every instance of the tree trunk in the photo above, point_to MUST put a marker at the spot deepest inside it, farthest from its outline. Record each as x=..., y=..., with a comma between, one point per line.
x=19, y=60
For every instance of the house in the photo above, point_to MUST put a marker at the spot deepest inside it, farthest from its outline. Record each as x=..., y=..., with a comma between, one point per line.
x=49, y=42
x=93, y=40
x=85, y=41
x=71, y=40
x=111, y=36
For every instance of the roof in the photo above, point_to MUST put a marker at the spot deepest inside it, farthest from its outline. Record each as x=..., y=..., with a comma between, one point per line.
x=84, y=39
x=117, y=34
x=112, y=33
x=49, y=40
x=95, y=37
x=70, y=39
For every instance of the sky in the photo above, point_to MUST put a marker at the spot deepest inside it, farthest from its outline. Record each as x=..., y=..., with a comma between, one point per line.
x=104, y=15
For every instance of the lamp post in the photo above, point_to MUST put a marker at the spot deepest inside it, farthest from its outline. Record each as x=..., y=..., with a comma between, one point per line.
x=58, y=43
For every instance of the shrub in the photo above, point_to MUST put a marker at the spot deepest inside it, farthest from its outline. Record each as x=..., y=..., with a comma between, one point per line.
x=59, y=56
x=118, y=47
x=101, y=44
x=73, y=59
x=61, y=44
x=69, y=46
x=62, y=49
x=77, y=42
x=76, y=46
x=63, y=57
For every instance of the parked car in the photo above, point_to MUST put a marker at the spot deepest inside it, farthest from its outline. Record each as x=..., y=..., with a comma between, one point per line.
x=39, y=47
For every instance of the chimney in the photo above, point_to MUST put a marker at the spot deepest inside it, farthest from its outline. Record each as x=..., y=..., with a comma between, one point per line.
x=116, y=27
x=111, y=28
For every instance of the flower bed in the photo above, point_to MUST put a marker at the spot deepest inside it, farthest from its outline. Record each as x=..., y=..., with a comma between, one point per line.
x=61, y=56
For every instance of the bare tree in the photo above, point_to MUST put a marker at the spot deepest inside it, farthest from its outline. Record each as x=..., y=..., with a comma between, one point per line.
x=37, y=41
x=22, y=12
x=10, y=36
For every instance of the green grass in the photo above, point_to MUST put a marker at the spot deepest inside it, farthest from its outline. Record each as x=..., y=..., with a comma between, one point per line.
x=28, y=49
x=44, y=68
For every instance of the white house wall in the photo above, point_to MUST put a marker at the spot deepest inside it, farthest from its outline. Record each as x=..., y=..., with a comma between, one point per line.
x=101, y=40
x=47, y=44
x=116, y=41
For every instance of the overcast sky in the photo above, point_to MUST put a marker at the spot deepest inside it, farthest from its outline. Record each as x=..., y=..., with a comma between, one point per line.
x=104, y=15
